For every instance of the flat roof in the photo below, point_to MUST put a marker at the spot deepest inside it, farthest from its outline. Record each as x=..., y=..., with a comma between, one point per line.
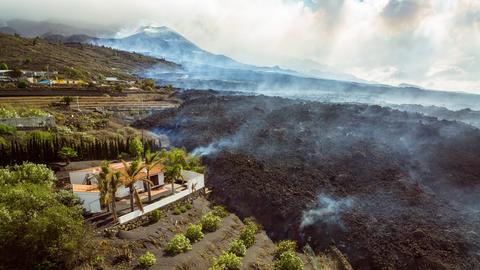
x=84, y=188
x=119, y=167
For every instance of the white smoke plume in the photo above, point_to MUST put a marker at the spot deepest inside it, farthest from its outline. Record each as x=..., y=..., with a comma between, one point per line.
x=326, y=210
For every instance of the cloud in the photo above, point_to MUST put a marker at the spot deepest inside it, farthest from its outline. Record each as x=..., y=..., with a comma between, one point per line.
x=392, y=41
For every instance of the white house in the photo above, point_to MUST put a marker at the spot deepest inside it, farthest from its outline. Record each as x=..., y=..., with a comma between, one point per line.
x=84, y=184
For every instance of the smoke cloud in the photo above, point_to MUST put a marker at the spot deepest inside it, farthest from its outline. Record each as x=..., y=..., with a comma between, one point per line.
x=430, y=43
x=326, y=210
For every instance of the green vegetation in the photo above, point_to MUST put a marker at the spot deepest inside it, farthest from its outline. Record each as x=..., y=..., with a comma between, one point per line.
x=135, y=147
x=16, y=112
x=67, y=100
x=284, y=246
x=36, y=222
x=67, y=154
x=247, y=233
x=108, y=184
x=148, y=84
x=177, y=211
x=194, y=232
x=227, y=261
x=238, y=248
x=27, y=173
x=147, y=260
x=288, y=261
x=210, y=222
x=156, y=215
x=22, y=84
x=178, y=244
x=179, y=156
x=130, y=175
x=3, y=66
x=68, y=198
x=40, y=135
x=6, y=129
x=151, y=160
x=220, y=211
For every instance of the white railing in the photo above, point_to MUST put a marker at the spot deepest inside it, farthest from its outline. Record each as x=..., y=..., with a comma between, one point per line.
x=195, y=181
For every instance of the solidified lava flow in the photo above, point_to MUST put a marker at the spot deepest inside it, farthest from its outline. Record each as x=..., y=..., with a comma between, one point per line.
x=392, y=190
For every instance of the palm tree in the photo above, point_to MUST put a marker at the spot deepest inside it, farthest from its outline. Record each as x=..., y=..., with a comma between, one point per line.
x=173, y=173
x=103, y=181
x=108, y=184
x=130, y=174
x=151, y=160
x=114, y=182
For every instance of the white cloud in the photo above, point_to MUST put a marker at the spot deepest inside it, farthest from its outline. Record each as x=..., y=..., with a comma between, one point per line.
x=424, y=42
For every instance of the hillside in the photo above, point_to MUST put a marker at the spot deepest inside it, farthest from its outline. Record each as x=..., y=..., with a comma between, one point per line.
x=79, y=60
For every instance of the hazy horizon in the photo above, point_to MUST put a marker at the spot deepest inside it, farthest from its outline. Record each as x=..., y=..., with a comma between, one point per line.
x=432, y=44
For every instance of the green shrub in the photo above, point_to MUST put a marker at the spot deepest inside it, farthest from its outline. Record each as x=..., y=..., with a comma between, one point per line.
x=289, y=261
x=67, y=100
x=3, y=66
x=27, y=173
x=210, y=222
x=177, y=211
x=183, y=209
x=98, y=261
x=194, y=232
x=188, y=206
x=156, y=215
x=22, y=84
x=7, y=129
x=68, y=198
x=227, y=261
x=238, y=248
x=147, y=260
x=284, y=246
x=178, y=244
x=41, y=135
x=247, y=233
x=220, y=211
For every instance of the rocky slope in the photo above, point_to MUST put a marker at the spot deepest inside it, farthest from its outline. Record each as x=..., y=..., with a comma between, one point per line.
x=393, y=190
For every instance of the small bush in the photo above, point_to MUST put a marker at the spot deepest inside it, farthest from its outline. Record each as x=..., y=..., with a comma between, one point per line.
x=284, y=246
x=156, y=215
x=238, y=248
x=22, y=84
x=210, y=222
x=188, y=206
x=289, y=261
x=178, y=244
x=227, y=261
x=7, y=129
x=147, y=260
x=194, y=233
x=247, y=233
x=177, y=211
x=183, y=209
x=220, y=211
x=98, y=261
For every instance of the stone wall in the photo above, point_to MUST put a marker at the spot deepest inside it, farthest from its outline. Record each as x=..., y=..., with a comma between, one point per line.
x=29, y=122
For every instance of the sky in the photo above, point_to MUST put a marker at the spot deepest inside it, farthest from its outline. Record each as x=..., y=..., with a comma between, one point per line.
x=430, y=43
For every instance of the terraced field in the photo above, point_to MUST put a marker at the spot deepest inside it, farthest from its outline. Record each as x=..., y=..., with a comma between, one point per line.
x=131, y=101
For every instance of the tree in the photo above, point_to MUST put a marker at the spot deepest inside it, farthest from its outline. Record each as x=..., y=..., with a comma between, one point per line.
x=172, y=173
x=67, y=154
x=148, y=84
x=130, y=174
x=67, y=100
x=3, y=66
x=151, y=160
x=108, y=184
x=38, y=228
x=135, y=147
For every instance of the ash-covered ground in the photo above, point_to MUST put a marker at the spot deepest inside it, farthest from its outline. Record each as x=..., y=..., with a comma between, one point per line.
x=391, y=189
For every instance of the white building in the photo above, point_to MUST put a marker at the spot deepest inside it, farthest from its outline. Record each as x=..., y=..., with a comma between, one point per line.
x=84, y=184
